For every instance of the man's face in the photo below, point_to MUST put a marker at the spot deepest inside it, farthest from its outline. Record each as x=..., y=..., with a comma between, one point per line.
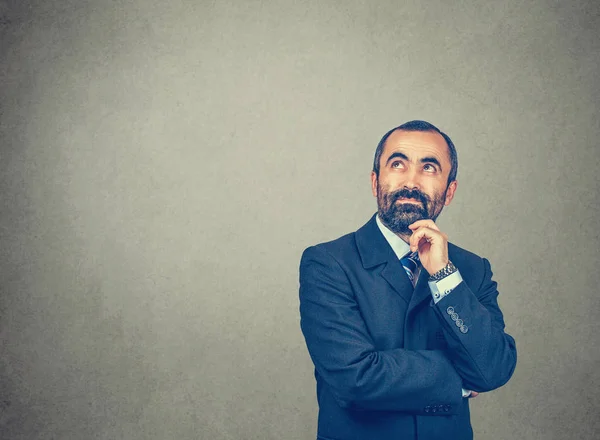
x=413, y=179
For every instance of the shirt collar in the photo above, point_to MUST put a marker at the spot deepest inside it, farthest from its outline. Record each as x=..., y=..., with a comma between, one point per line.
x=399, y=246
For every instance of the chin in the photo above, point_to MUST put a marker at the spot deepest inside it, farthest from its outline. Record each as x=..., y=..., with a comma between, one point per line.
x=409, y=217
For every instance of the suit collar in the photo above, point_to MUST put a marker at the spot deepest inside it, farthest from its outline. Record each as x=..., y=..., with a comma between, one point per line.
x=374, y=250
x=399, y=246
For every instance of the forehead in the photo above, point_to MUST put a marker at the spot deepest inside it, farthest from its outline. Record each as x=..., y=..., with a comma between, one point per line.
x=417, y=144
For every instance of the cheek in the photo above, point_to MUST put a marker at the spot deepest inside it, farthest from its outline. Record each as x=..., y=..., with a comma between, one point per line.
x=441, y=196
x=390, y=183
x=382, y=189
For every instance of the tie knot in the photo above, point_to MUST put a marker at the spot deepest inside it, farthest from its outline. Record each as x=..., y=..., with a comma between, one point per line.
x=410, y=262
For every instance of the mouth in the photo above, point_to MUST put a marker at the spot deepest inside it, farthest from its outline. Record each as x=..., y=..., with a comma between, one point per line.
x=404, y=200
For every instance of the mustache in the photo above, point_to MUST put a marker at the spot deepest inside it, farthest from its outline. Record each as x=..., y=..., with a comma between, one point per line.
x=406, y=193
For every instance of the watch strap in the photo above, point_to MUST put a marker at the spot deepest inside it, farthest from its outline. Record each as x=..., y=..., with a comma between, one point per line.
x=444, y=272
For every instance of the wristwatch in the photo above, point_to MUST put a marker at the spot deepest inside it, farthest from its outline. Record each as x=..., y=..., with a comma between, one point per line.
x=444, y=272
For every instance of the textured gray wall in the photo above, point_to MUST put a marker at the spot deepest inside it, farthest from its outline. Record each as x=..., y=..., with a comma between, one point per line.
x=164, y=164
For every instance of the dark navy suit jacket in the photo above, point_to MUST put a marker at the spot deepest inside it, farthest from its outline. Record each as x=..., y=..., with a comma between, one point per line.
x=389, y=363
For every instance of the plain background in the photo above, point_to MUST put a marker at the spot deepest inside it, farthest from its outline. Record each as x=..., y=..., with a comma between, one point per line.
x=165, y=163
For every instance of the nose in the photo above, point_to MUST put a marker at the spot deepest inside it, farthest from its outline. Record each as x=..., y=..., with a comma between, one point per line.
x=412, y=179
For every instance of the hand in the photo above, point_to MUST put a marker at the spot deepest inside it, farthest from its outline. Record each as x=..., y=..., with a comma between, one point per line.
x=473, y=394
x=431, y=243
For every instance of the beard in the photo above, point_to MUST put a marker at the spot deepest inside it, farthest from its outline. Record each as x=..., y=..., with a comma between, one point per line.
x=398, y=216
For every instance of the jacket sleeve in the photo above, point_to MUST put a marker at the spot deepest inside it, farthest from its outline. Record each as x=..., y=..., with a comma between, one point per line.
x=482, y=353
x=358, y=375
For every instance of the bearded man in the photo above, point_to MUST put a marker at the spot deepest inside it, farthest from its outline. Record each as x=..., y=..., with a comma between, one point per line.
x=402, y=326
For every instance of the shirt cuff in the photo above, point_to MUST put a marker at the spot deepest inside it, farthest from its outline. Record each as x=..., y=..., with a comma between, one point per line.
x=466, y=393
x=443, y=287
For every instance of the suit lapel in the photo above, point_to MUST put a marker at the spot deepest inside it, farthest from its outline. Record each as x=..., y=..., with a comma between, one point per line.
x=421, y=292
x=395, y=275
x=374, y=250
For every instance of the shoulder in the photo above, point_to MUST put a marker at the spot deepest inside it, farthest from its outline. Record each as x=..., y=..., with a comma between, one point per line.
x=328, y=263
x=338, y=249
x=366, y=246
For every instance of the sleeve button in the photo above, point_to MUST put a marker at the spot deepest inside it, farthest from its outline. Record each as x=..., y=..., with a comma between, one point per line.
x=450, y=310
x=464, y=329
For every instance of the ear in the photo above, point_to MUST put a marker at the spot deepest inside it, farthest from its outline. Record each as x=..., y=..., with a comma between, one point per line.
x=374, y=183
x=450, y=192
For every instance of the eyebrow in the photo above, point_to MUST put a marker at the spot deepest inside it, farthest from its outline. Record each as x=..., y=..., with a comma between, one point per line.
x=396, y=154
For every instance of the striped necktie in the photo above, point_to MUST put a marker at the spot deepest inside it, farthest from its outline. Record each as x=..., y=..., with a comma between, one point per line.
x=410, y=263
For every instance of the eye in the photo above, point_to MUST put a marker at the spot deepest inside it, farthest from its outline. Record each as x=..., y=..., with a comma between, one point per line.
x=396, y=164
x=429, y=168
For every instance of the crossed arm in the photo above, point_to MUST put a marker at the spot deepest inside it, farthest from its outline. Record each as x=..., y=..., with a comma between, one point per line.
x=362, y=377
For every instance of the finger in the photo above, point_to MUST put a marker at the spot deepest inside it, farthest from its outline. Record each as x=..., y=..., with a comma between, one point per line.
x=416, y=238
x=433, y=232
x=423, y=234
x=425, y=222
